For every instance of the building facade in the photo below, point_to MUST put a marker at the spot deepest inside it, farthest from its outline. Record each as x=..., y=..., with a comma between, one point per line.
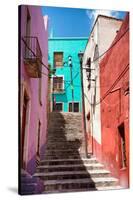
x=33, y=57
x=66, y=84
x=103, y=33
x=114, y=76
x=106, y=88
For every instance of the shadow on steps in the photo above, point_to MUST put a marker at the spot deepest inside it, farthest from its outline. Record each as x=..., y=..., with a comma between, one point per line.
x=63, y=168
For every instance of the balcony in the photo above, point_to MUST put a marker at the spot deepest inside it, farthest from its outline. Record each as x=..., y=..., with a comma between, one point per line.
x=32, y=57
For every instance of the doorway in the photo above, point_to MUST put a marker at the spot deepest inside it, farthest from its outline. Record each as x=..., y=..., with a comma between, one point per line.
x=23, y=130
x=122, y=146
x=38, y=142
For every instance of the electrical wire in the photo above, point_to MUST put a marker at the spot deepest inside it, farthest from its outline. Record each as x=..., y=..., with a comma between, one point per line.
x=110, y=46
x=110, y=89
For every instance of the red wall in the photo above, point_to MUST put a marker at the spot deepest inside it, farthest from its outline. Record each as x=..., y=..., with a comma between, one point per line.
x=114, y=75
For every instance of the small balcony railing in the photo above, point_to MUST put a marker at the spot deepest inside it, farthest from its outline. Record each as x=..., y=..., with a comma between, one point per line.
x=32, y=56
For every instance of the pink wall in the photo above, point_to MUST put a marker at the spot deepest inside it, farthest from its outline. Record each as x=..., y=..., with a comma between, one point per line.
x=37, y=112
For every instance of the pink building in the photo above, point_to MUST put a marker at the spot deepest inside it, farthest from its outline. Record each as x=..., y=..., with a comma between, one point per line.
x=33, y=70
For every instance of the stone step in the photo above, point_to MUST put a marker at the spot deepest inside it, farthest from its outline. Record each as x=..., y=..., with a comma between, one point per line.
x=60, y=144
x=72, y=175
x=57, y=132
x=28, y=188
x=63, y=140
x=67, y=144
x=63, y=156
x=64, y=152
x=73, y=136
x=69, y=167
x=60, y=135
x=69, y=141
x=52, y=134
x=62, y=162
x=79, y=183
x=53, y=148
x=84, y=189
x=66, y=119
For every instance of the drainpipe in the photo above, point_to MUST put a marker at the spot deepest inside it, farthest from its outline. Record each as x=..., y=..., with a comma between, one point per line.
x=80, y=55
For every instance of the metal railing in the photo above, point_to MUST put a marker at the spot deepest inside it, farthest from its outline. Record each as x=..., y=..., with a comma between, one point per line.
x=32, y=48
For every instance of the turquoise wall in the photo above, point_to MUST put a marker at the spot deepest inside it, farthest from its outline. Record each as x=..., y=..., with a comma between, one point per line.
x=69, y=46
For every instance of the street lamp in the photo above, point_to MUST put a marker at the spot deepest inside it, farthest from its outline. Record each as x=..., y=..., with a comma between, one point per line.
x=80, y=55
x=70, y=60
x=70, y=65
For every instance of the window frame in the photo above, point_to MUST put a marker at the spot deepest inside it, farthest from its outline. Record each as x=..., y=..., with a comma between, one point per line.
x=74, y=103
x=57, y=52
x=62, y=106
x=56, y=91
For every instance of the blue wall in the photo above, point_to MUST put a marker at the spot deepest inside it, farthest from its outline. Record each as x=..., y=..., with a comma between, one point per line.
x=69, y=46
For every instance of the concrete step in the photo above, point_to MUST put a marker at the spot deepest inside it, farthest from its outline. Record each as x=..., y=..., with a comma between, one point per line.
x=63, y=156
x=28, y=188
x=70, y=147
x=64, y=139
x=79, y=183
x=58, y=144
x=83, y=189
x=64, y=152
x=62, y=162
x=73, y=167
x=62, y=136
x=72, y=175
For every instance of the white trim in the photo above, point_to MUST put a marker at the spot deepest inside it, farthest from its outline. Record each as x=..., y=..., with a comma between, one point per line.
x=52, y=83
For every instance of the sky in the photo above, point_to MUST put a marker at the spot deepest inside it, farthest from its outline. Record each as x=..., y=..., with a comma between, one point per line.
x=74, y=22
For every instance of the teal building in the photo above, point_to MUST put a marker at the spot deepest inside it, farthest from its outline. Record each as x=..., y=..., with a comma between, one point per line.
x=66, y=83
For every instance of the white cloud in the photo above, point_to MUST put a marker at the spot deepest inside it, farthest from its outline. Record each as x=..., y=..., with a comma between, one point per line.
x=92, y=14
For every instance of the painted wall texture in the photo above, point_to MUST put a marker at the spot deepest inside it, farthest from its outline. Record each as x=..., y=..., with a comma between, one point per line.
x=102, y=35
x=69, y=46
x=114, y=93
x=36, y=108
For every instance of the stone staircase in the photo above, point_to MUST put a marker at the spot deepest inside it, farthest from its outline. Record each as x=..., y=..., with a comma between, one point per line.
x=65, y=167
x=29, y=185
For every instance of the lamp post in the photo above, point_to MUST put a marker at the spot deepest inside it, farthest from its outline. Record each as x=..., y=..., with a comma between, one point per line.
x=80, y=55
x=70, y=65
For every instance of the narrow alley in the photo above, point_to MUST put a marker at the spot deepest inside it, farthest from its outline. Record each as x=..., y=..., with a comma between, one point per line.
x=74, y=101
x=65, y=167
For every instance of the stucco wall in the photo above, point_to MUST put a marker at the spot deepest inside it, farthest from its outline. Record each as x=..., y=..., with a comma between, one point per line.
x=69, y=46
x=36, y=111
x=114, y=68
x=103, y=33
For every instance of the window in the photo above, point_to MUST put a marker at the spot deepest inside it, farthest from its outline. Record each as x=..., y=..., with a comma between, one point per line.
x=58, y=107
x=58, y=59
x=122, y=145
x=75, y=107
x=58, y=84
